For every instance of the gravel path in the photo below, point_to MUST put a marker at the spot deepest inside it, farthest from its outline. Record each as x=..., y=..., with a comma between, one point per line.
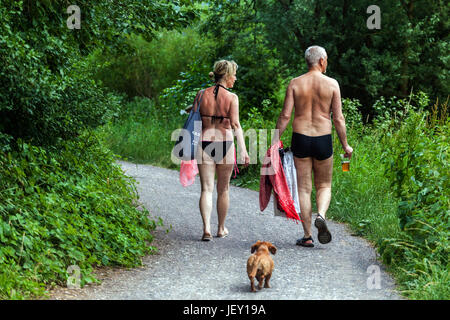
x=187, y=268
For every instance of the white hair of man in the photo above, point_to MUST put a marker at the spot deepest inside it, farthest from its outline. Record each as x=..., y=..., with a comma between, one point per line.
x=313, y=55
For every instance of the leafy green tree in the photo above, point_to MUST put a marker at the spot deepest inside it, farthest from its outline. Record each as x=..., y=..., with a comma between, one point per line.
x=47, y=89
x=152, y=66
x=240, y=35
x=411, y=50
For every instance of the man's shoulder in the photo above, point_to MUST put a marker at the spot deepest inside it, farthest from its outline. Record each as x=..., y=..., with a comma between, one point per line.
x=303, y=77
x=297, y=80
x=331, y=80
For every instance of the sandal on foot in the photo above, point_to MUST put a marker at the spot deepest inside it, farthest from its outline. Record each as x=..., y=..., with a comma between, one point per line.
x=302, y=242
x=224, y=234
x=206, y=237
x=324, y=235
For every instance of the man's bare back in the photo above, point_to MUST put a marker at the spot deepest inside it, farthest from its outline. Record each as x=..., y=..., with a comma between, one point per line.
x=313, y=94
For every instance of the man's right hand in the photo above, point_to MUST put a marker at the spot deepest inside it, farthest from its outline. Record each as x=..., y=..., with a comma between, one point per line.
x=348, y=151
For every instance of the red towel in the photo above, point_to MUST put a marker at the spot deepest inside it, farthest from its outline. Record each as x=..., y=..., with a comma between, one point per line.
x=273, y=178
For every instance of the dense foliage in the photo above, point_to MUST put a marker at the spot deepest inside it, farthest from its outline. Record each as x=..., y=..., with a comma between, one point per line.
x=150, y=67
x=240, y=35
x=62, y=207
x=63, y=201
x=46, y=90
x=416, y=159
x=269, y=37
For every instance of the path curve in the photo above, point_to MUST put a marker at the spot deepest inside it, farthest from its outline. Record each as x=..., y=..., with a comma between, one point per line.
x=188, y=269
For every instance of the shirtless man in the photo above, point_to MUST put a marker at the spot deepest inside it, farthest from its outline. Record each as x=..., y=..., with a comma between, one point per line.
x=315, y=96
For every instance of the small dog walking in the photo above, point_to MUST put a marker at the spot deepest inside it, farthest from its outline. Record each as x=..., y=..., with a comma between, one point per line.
x=260, y=265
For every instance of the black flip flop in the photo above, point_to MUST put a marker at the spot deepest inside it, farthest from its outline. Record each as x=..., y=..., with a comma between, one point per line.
x=324, y=235
x=302, y=242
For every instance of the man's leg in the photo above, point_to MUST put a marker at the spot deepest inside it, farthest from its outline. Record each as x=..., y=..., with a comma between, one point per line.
x=323, y=171
x=304, y=186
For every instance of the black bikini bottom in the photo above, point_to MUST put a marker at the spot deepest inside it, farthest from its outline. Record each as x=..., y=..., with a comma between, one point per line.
x=222, y=148
x=320, y=147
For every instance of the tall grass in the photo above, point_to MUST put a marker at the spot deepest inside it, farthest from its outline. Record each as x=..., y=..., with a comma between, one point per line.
x=142, y=133
x=362, y=197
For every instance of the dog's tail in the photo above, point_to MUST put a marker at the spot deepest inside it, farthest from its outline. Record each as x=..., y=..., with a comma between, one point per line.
x=255, y=267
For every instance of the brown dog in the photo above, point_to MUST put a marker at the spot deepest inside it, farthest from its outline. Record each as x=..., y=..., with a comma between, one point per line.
x=260, y=265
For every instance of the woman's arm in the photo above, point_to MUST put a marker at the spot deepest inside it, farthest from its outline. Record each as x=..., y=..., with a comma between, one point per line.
x=236, y=126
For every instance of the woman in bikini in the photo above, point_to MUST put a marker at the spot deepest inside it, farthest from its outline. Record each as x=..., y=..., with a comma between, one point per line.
x=220, y=116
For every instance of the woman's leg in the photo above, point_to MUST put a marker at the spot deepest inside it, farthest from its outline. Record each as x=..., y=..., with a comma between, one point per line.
x=223, y=200
x=224, y=169
x=207, y=173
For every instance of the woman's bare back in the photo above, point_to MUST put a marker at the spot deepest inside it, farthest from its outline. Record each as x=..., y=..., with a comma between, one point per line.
x=216, y=128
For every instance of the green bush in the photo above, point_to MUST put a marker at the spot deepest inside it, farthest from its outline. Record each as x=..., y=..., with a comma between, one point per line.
x=351, y=108
x=396, y=193
x=34, y=100
x=47, y=89
x=416, y=162
x=182, y=93
x=240, y=35
x=390, y=113
x=66, y=206
x=150, y=67
x=142, y=132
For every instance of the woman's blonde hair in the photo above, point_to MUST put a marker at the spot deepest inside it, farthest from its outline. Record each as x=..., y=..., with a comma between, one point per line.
x=223, y=69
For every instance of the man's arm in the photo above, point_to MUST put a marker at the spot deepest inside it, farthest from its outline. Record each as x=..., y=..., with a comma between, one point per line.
x=285, y=115
x=339, y=120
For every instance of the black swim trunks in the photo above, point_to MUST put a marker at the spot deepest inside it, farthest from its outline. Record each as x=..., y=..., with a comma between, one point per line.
x=222, y=148
x=320, y=147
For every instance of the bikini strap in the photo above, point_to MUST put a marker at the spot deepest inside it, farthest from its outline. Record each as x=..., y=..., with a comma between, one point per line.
x=216, y=90
x=214, y=117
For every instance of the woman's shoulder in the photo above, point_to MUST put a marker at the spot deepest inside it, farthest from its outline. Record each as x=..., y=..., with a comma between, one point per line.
x=234, y=96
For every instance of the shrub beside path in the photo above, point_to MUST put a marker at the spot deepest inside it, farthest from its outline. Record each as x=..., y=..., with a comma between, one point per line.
x=188, y=269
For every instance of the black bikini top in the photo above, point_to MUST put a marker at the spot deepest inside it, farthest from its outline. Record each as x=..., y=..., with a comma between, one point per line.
x=213, y=118
x=216, y=90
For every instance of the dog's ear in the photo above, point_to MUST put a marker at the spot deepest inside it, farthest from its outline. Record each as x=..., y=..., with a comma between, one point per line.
x=272, y=249
x=255, y=246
